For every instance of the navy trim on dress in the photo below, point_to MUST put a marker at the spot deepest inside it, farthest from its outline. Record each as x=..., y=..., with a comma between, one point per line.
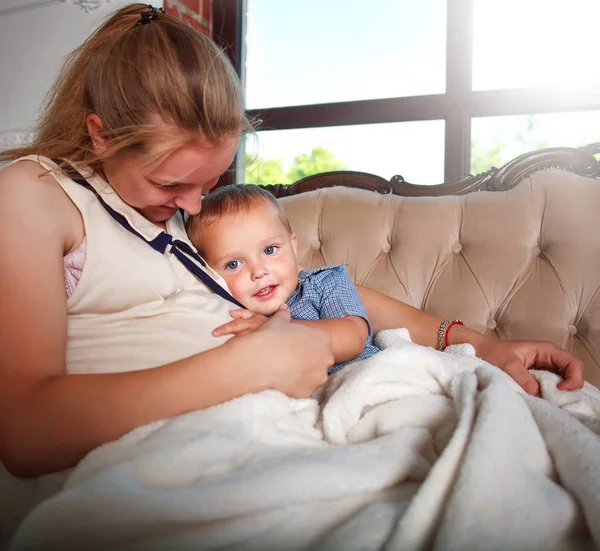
x=181, y=250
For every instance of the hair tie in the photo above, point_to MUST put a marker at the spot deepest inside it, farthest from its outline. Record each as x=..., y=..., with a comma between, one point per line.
x=149, y=14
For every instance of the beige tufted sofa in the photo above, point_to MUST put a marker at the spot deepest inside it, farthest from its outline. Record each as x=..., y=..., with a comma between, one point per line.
x=522, y=262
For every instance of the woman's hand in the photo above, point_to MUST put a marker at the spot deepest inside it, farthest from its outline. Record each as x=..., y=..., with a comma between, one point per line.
x=244, y=322
x=287, y=357
x=348, y=335
x=513, y=357
x=517, y=357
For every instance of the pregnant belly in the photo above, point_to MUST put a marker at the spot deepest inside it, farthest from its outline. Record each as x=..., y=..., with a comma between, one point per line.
x=145, y=336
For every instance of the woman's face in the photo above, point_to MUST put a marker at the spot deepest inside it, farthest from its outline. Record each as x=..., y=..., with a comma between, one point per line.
x=178, y=182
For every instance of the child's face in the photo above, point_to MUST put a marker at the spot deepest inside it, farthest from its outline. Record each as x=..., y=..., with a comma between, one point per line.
x=256, y=255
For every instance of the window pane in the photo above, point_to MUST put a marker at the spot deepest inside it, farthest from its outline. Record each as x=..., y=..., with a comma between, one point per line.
x=413, y=149
x=519, y=44
x=323, y=51
x=497, y=140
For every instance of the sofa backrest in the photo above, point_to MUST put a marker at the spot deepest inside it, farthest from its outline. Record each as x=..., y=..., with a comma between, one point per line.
x=522, y=263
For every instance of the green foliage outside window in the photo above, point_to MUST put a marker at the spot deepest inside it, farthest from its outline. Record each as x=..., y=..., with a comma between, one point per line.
x=271, y=171
x=505, y=146
x=505, y=141
x=530, y=133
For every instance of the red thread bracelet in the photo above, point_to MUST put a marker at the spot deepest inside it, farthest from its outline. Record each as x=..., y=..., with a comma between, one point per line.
x=443, y=332
x=456, y=322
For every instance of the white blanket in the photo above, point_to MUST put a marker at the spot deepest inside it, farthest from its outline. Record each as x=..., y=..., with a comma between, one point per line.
x=411, y=449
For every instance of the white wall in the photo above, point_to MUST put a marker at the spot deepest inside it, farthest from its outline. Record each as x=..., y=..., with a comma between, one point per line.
x=35, y=35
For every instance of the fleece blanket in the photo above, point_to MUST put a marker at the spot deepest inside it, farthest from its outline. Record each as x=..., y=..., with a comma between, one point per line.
x=411, y=449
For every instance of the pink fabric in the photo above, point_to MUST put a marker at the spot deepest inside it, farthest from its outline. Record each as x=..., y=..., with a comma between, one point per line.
x=73, y=264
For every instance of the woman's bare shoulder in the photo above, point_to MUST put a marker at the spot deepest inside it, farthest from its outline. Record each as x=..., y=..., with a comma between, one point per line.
x=28, y=191
x=25, y=174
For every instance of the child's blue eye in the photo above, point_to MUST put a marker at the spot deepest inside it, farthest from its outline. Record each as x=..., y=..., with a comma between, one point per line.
x=270, y=250
x=233, y=265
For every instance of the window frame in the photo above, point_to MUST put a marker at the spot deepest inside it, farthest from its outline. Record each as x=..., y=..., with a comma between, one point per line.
x=457, y=107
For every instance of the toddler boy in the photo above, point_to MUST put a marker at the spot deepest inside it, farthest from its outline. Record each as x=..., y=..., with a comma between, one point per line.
x=243, y=234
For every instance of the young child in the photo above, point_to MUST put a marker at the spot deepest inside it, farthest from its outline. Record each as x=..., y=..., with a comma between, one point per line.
x=244, y=235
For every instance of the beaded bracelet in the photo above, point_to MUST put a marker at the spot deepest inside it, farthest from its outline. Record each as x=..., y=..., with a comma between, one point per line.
x=443, y=332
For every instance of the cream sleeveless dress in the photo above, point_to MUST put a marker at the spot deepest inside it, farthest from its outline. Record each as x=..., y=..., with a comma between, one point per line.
x=133, y=308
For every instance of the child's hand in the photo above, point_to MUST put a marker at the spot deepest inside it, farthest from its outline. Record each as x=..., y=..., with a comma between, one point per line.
x=244, y=322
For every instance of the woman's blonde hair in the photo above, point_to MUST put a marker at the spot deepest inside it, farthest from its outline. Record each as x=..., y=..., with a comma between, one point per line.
x=136, y=78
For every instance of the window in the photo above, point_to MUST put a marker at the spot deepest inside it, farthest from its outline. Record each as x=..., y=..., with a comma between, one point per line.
x=286, y=156
x=315, y=51
x=497, y=140
x=431, y=90
x=531, y=43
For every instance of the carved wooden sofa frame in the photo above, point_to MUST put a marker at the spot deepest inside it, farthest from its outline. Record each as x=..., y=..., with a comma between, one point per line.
x=577, y=160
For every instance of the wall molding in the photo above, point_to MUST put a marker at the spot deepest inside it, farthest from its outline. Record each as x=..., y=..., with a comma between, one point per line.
x=89, y=5
x=9, y=7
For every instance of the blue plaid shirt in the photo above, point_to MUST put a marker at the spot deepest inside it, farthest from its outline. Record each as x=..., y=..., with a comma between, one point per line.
x=328, y=292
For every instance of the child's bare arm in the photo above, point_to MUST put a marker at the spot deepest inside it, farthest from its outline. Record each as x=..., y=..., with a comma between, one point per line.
x=348, y=335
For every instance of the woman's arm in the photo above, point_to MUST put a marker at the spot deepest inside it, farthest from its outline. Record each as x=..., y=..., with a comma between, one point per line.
x=514, y=357
x=388, y=313
x=49, y=420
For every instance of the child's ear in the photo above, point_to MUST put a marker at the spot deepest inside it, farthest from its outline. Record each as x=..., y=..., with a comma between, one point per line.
x=295, y=245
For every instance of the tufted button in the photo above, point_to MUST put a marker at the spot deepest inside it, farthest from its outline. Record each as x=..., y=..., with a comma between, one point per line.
x=457, y=247
x=386, y=248
x=536, y=251
x=491, y=324
x=315, y=245
x=572, y=330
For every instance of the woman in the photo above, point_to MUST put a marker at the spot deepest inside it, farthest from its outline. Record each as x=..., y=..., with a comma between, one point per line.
x=104, y=333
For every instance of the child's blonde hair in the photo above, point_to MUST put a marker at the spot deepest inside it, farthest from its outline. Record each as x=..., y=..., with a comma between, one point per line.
x=230, y=200
x=136, y=78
